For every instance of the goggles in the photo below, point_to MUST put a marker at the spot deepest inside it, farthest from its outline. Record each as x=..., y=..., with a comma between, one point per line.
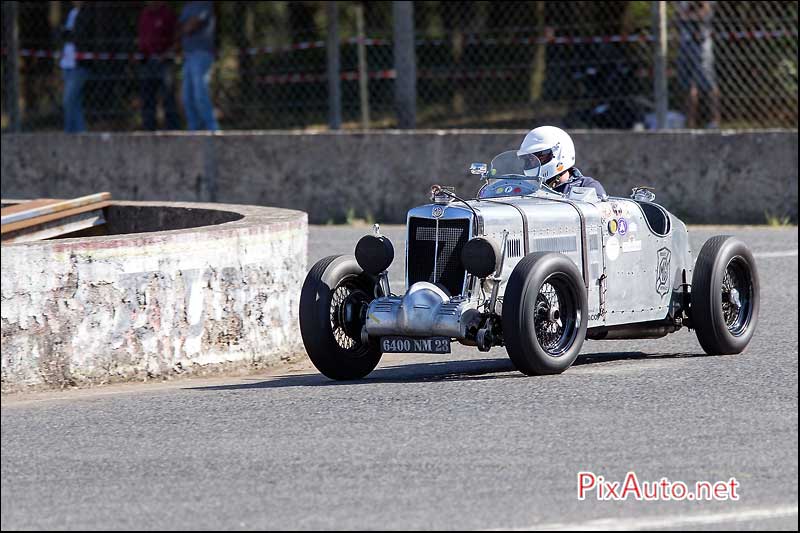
x=537, y=159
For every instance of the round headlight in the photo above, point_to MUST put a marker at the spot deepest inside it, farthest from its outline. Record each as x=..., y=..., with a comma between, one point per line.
x=374, y=254
x=480, y=256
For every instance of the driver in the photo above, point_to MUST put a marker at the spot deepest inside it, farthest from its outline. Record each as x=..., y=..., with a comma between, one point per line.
x=555, y=151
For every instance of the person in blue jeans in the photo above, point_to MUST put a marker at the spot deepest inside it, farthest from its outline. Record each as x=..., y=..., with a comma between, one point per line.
x=695, y=62
x=77, y=33
x=197, y=24
x=74, y=80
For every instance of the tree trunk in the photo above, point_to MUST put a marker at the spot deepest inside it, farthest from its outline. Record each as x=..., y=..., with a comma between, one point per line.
x=539, y=67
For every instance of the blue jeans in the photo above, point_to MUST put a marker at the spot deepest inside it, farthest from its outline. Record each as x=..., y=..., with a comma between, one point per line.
x=196, y=97
x=74, y=79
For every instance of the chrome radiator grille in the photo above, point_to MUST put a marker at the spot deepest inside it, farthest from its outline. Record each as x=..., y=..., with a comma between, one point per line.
x=434, y=252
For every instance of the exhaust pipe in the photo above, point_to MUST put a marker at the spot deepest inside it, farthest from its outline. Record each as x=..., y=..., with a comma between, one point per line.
x=632, y=331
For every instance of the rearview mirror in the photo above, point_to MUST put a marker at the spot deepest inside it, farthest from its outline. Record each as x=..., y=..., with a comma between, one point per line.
x=643, y=194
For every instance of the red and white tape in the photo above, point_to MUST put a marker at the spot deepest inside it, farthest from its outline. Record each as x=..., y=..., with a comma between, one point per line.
x=507, y=72
x=288, y=79
x=602, y=39
x=307, y=45
x=523, y=41
x=101, y=56
x=258, y=50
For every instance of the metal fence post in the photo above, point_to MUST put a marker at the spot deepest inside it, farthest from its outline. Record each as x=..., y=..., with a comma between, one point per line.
x=405, y=92
x=363, y=72
x=11, y=66
x=334, y=74
x=660, y=90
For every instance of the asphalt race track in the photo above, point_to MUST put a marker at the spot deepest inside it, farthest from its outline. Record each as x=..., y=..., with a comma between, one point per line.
x=447, y=442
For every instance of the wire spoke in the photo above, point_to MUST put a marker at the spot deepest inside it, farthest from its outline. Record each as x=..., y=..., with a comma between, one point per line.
x=341, y=295
x=549, y=327
x=736, y=299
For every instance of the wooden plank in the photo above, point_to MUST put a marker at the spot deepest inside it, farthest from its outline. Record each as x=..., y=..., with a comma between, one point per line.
x=55, y=228
x=62, y=205
x=24, y=206
x=16, y=226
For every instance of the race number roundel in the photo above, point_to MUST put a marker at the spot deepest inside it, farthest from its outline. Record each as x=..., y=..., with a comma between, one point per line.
x=622, y=226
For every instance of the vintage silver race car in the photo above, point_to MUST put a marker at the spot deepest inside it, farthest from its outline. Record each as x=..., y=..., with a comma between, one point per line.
x=525, y=267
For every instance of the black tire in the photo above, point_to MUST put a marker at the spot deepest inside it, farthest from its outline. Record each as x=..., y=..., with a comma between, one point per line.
x=725, y=323
x=535, y=341
x=334, y=343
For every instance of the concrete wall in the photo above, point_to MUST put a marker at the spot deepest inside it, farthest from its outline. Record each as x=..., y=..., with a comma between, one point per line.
x=703, y=177
x=124, y=307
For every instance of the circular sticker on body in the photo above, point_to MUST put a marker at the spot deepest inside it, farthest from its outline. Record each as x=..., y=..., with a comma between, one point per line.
x=612, y=226
x=612, y=248
x=622, y=228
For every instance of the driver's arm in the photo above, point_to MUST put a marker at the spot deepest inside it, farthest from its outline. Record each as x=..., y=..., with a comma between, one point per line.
x=591, y=182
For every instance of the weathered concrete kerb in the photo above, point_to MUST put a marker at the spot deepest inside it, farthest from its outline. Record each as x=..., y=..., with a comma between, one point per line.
x=704, y=177
x=174, y=288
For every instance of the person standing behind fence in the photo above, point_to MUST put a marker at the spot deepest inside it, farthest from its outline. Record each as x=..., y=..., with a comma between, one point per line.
x=696, y=60
x=157, y=30
x=77, y=33
x=198, y=22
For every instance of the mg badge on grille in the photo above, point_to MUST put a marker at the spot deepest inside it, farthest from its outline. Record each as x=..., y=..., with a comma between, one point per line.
x=437, y=211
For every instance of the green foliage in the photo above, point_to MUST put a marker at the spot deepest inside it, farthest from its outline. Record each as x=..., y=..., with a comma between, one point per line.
x=777, y=221
x=351, y=218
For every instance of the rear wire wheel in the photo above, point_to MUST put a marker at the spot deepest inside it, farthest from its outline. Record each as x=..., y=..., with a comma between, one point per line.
x=737, y=296
x=725, y=296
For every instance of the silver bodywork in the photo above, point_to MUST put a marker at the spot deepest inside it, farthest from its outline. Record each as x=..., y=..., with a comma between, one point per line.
x=424, y=311
x=634, y=258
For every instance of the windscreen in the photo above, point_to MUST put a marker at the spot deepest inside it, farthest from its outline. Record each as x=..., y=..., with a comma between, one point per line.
x=509, y=165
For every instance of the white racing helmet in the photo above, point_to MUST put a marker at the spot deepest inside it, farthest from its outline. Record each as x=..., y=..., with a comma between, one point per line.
x=553, y=148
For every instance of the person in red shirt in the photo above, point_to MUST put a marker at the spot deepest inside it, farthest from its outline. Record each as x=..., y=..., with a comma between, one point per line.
x=157, y=35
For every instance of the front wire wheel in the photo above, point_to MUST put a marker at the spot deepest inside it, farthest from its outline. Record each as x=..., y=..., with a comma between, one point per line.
x=348, y=306
x=554, y=316
x=544, y=313
x=333, y=303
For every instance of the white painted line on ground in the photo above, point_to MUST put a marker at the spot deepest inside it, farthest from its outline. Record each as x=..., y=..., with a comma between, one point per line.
x=666, y=522
x=785, y=253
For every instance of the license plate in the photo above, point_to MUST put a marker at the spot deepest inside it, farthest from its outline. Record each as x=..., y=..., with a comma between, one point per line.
x=415, y=345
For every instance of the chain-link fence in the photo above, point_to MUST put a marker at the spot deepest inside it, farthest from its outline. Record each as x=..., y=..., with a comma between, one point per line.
x=475, y=65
